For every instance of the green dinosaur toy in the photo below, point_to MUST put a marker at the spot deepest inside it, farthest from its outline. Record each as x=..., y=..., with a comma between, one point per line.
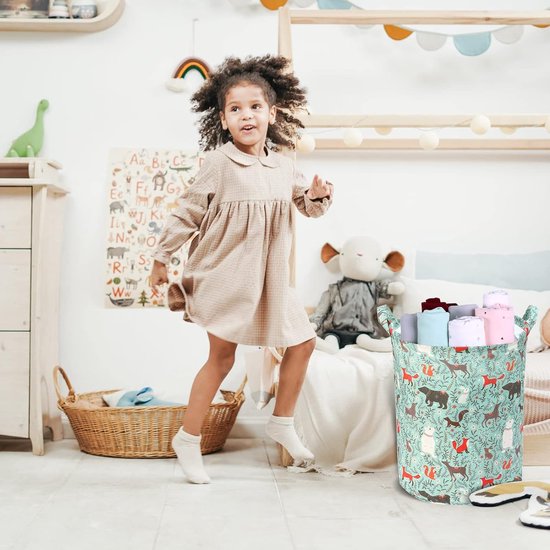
x=30, y=143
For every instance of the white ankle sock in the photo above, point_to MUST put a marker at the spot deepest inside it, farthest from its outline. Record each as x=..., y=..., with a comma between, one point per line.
x=188, y=451
x=281, y=429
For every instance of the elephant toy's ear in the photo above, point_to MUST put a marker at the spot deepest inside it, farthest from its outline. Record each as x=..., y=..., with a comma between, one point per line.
x=395, y=261
x=328, y=252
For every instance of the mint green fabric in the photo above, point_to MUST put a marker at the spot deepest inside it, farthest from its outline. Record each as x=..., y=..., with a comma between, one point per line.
x=459, y=413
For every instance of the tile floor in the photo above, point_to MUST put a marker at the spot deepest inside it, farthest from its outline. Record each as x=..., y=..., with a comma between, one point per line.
x=68, y=500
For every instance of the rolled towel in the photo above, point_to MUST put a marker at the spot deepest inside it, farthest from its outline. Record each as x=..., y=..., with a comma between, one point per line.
x=466, y=331
x=432, y=327
x=432, y=303
x=466, y=310
x=409, y=332
x=499, y=324
x=496, y=297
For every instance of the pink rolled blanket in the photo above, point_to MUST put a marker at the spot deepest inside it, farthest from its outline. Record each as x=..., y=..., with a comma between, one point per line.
x=499, y=324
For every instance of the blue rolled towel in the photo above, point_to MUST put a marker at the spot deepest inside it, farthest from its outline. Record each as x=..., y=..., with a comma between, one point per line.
x=466, y=310
x=432, y=327
x=143, y=398
x=409, y=332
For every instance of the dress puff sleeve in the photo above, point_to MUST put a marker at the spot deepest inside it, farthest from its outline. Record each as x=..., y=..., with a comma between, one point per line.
x=312, y=208
x=185, y=221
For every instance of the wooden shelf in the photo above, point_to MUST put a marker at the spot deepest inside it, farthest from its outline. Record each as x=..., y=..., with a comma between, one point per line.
x=109, y=15
x=420, y=17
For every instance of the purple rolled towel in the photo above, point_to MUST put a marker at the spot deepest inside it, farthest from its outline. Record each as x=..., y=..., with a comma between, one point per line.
x=409, y=331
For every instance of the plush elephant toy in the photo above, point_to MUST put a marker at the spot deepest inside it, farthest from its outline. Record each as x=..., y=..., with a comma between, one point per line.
x=346, y=313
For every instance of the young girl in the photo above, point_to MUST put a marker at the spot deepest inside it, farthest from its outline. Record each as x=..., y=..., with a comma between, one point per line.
x=235, y=283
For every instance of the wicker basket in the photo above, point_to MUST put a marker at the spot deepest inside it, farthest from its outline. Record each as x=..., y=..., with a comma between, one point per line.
x=140, y=432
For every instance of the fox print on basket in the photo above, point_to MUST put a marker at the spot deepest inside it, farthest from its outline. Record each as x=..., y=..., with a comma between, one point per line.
x=407, y=475
x=408, y=377
x=488, y=381
x=463, y=447
x=486, y=481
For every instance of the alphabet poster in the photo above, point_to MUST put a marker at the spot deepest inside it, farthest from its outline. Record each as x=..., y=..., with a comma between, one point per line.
x=144, y=186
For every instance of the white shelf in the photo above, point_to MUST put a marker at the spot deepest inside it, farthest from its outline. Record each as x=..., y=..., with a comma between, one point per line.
x=108, y=16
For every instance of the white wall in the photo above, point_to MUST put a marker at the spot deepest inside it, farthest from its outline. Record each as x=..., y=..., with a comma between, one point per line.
x=107, y=90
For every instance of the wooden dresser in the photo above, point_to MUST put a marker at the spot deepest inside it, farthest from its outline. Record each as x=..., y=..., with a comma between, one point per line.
x=31, y=219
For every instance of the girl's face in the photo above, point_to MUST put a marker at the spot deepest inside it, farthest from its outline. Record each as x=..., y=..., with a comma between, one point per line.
x=247, y=116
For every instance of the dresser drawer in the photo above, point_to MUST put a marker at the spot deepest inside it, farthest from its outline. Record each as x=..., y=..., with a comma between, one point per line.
x=15, y=285
x=15, y=217
x=14, y=374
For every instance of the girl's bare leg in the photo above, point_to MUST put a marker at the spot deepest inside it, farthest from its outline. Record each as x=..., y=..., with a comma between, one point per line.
x=207, y=382
x=291, y=378
x=292, y=373
x=186, y=442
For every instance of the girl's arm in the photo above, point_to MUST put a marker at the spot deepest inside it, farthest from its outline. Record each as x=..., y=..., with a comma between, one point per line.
x=186, y=220
x=311, y=208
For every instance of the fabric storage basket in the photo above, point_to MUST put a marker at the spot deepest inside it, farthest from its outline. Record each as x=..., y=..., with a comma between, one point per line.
x=140, y=432
x=459, y=413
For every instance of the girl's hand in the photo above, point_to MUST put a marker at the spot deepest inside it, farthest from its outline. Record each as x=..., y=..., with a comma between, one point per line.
x=319, y=189
x=159, y=275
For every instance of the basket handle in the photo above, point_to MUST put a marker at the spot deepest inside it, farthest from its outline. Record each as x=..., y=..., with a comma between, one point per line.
x=387, y=319
x=240, y=389
x=528, y=320
x=71, y=395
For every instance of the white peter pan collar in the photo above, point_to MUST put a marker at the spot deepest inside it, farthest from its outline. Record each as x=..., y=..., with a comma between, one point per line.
x=235, y=154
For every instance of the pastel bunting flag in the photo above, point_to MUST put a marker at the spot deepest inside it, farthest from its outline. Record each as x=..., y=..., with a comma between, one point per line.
x=397, y=33
x=334, y=4
x=472, y=44
x=509, y=35
x=430, y=41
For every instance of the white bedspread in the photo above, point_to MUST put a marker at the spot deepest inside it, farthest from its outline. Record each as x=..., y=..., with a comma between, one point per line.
x=345, y=413
x=346, y=416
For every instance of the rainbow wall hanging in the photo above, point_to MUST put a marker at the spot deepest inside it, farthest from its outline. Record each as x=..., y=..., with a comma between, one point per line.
x=177, y=82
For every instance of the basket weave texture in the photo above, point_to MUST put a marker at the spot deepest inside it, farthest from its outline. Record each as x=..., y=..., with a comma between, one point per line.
x=140, y=432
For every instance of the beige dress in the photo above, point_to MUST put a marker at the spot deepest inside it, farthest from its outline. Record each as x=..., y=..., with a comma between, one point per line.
x=236, y=279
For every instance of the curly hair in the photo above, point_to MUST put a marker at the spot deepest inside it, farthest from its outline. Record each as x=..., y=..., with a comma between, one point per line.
x=280, y=89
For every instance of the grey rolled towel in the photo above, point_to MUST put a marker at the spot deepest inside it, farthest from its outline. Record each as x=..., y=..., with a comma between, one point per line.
x=466, y=310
